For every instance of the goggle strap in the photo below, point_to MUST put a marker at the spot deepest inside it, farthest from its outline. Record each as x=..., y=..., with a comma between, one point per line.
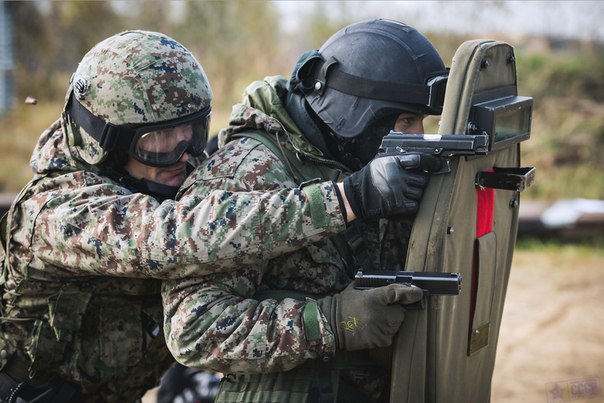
x=105, y=133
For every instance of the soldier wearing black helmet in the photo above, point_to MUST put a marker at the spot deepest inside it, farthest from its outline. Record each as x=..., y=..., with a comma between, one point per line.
x=293, y=329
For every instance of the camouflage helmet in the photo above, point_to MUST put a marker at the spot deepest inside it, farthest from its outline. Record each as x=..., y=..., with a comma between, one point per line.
x=130, y=84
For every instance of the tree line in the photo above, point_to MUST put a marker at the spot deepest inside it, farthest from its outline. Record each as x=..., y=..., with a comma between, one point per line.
x=238, y=41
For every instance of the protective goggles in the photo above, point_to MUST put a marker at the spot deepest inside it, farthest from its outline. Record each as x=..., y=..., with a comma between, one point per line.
x=164, y=144
x=159, y=145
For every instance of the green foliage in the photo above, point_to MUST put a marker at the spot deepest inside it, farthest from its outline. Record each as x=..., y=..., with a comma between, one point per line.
x=233, y=43
x=584, y=248
x=567, y=74
x=52, y=43
x=240, y=41
x=568, y=129
x=20, y=131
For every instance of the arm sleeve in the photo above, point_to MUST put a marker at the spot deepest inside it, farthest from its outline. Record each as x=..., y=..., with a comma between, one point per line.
x=259, y=318
x=209, y=325
x=100, y=229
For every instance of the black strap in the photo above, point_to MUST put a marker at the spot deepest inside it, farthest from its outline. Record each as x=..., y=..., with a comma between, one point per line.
x=54, y=390
x=65, y=392
x=105, y=133
x=372, y=89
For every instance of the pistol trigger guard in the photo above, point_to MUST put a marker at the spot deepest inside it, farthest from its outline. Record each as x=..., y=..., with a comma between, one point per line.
x=446, y=167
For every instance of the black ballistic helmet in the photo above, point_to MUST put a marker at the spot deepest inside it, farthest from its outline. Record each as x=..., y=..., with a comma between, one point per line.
x=370, y=70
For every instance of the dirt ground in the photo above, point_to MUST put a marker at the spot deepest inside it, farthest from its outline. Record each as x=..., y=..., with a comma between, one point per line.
x=551, y=343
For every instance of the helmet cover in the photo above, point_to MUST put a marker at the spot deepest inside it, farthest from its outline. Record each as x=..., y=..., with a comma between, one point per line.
x=133, y=79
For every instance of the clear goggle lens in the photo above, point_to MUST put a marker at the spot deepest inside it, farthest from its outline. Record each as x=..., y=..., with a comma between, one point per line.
x=162, y=146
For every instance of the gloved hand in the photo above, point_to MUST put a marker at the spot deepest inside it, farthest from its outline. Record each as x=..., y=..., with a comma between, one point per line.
x=390, y=186
x=363, y=319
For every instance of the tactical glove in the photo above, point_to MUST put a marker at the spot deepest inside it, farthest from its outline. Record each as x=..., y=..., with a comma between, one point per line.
x=363, y=319
x=390, y=186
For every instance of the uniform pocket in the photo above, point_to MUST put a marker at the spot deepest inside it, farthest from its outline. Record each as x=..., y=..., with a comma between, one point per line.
x=43, y=349
x=49, y=338
x=120, y=332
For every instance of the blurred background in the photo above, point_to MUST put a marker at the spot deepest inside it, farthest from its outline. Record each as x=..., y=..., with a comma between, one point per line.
x=550, y=333
x=559, y=46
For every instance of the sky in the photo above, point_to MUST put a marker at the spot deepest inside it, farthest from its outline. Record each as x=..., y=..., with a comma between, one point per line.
x=562, y=19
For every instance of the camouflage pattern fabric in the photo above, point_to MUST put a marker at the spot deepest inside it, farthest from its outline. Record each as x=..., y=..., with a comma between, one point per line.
x=125, y=67
x=85, y=258
x=235, y=322
x=134, y=78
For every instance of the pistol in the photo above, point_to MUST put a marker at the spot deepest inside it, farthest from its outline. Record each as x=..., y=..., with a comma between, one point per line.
x=445, y=146
x=432, y=283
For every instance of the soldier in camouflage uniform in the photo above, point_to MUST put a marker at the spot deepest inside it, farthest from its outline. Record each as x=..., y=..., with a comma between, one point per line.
x=88, y=241
x=294, y=329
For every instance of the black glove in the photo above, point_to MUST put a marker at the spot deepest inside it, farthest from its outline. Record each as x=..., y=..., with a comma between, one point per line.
x=362, y=319
x=390, y=186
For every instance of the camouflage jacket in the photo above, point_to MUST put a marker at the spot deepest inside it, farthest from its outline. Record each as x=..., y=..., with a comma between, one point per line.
x=85, y=256
x=236, y=322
